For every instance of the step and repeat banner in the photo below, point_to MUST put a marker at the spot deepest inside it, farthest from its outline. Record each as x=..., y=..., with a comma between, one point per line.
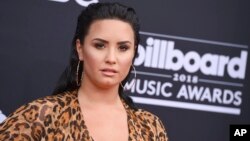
x=191, y=70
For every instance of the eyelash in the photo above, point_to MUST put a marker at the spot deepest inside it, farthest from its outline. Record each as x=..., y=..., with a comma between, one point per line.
x=99, y=45
x=121, y=47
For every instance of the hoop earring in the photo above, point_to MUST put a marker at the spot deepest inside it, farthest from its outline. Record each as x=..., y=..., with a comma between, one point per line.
x=134, y=70
x=78, y=83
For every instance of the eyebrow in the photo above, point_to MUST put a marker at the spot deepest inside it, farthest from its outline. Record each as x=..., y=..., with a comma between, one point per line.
x=101, y=40
x=124, y=42
x=120, y=43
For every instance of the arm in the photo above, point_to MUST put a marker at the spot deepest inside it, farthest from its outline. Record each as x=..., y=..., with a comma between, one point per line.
x=161, y=133
x=26, y=123
x=151, y=126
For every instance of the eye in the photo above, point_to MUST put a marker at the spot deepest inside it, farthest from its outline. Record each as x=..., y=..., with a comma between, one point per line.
x=123, y=47
x=99, y=45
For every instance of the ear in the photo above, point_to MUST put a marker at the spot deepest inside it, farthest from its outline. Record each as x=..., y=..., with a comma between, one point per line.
x=79, y=49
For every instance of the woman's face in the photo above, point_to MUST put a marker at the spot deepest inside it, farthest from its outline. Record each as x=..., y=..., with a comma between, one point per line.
x=107, y=52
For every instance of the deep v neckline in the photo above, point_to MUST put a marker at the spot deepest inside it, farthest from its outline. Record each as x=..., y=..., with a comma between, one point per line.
x=126, y=107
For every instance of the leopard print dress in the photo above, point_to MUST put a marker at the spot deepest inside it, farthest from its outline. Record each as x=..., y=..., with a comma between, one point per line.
x=59, y=118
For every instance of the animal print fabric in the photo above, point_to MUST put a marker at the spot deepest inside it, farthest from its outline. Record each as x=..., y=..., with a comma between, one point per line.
x=59, y=118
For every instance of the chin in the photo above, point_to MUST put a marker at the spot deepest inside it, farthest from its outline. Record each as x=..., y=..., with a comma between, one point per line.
x=108, y=84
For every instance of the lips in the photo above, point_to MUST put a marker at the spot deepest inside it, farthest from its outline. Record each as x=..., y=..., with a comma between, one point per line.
x=108, y=71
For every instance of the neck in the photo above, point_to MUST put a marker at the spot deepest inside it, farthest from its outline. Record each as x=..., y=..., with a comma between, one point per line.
x=92, y=94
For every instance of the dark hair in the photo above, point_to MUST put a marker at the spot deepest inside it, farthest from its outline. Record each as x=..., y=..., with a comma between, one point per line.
x=98, y=11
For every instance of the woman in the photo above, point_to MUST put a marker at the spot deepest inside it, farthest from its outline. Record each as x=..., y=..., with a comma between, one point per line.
x=88, y=103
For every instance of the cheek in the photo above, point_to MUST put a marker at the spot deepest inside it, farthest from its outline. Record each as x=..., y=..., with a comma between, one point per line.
x=91, y=60
x=91, y=55
x=126, y=64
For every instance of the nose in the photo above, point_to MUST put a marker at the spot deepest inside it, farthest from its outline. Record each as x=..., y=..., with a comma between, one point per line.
x=111, y=56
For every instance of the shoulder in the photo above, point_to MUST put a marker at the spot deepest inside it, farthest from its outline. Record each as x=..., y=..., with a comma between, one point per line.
x=146, y=115
x=49, y=105
x=60, y=100
x=34, y=118
x=49, y=102
x=41, y=110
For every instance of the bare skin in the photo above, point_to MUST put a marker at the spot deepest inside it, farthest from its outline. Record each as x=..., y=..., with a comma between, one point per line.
x=107, y=52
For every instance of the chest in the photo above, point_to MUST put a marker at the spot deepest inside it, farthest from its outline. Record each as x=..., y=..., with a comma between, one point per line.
x=106, y=125
x=71, y=126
